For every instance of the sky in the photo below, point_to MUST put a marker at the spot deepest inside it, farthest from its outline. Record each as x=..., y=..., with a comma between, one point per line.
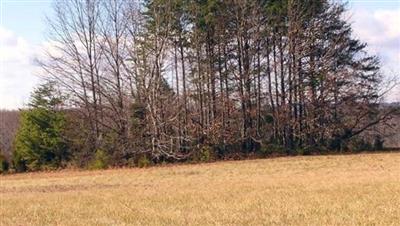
x=23, y=35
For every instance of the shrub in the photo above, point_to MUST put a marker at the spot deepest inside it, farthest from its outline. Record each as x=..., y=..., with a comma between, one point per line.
x=304, y=150
x=265, y=150
x=100, y=160
x=204, y=154
x=143, y=162
x=358, y=144
x=271, y=148
x=3, y=164
x=19, y=164
x=378, y=143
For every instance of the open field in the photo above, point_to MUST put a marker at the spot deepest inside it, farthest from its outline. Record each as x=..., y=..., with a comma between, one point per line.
x=359, y=189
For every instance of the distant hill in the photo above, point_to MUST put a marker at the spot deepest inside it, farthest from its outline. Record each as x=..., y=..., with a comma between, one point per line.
x=391, y=104
x=9, y=123
x=393, y=133
x=391, y=129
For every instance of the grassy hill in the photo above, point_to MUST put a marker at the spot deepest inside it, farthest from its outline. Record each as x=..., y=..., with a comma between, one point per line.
x=361, y=189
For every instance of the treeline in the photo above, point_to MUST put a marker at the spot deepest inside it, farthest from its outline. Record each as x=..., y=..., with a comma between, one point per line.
x=156, y=81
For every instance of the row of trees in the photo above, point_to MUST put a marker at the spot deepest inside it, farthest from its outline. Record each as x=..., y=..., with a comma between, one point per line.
x=171, y=80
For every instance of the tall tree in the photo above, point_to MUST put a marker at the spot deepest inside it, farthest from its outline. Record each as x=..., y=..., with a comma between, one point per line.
x=40, y=141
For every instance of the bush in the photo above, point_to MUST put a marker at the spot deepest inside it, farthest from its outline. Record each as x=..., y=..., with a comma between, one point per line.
x=204, y=154
x=100, y=160
x=265, y=150
x=3, y=164
x=19, y=164
x=305, y=150
x=378, y=143
x=271, y=148
x=143, y=162
x=358, y=144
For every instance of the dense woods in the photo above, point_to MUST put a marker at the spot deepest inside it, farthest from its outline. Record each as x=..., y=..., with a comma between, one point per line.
x=156, y=81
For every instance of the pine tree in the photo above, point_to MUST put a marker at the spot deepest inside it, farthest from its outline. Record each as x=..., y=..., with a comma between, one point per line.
x=39, y=142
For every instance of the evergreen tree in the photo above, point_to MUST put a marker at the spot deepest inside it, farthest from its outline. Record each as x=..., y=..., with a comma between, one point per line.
x=39, y=142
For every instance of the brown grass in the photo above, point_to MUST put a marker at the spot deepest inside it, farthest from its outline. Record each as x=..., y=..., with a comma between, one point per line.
x=324, y=190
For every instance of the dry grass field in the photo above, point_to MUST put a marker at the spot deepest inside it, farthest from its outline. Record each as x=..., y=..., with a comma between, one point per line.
x=359, y=189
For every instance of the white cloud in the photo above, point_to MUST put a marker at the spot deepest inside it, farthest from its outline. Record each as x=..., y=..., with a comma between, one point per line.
x=17, y=71
x=380, y=29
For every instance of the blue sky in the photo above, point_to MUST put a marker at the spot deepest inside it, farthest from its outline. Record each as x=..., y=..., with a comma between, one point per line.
x=26, y=17
x=373, y=4
x=23, y=34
